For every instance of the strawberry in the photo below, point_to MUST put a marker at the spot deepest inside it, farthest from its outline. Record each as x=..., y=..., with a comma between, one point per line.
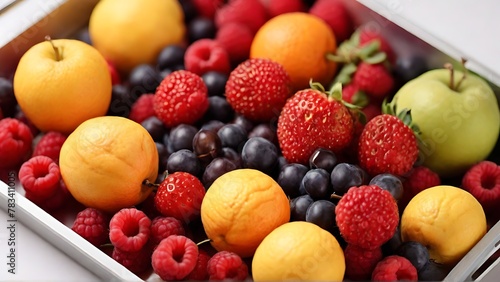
x=388, y=144
x=206, y=55
x=181, y=97
x=335, y=14
x=373, y=79
x=353, y=95
x=250, y=13
x=207, y=8
x=142, y=108
x=371, y=32
x=258, y=88
x=313, y=119
x=236, y=38
x=278, y=7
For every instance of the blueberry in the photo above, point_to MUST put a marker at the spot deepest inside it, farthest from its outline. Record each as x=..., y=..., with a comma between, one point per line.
x=322, y=213
x=323, y=158
x=232, y=155
x=213, y=125
x=184, y=160
x=200, y=28
x=390, y=183
x=433, y=272
x=8, y=100
x=216, y=168
x=163, y=155
x=121, y=101
x=415, y=252
x=218, y=109
x=390, y=247
x=181, y=136
x=189, y=10
x=409, y=67
x=233, y=136
x=144, y=78
x=244, y=122
x=155, y=128
x=170, y=56
x=215, y=82
x=290, y=178
x=299, y=206
x=316, y=183
x=345, y=176
x=258, y=153
x=264, y=130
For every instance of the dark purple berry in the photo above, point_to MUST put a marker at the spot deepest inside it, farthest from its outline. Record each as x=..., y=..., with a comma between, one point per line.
x=216, y=168
x=323, y=158
x=232, y=155
x=189, y=10
x=265, y=131
x=181, y=136
x=215, y=82
x=322, y=213
x=219, y=109
x=163, y=155
x=299, y=206
x=415, y=252
x=345, y=176
x=233, y=136
x=244, y=122
x=316, y=183
x=8, y=100
x=433, y=272
x=290, y=178
x=143, y=79
x=213, y=125
x=258, y=153
x=170, y=56
x=390, y=183
x=200, y=28
x=184, y=160
x=155, y=127
x=207, y=145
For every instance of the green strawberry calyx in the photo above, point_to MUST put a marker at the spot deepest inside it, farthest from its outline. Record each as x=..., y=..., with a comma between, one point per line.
x=405, y=116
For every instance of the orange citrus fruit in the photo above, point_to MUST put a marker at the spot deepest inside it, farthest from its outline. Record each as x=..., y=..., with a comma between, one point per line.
x=61, y=83
x=446, y=219
x=240, y=208
x=106, y=161
x=133, y=32
x=299, y=251
x=299, y=42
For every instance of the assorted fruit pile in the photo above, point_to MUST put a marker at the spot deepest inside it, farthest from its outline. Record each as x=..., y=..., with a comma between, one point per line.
x=253, y=139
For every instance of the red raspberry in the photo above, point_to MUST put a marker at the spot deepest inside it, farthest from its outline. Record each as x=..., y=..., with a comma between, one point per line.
x=54, y=202
x=50, y=145
x=180, y=195
x=92, y=225
x=370, y=32
x=373, y=79
x=419, y=179
x=181, y=97
x=250, y=13
x=353, y=95
x=360, y=262
x=483, y=181
x=16, y=140
x=142, y=108
x=372, y=110
x=115, y=76
x=394, y=268
x=174, y=258
x=129, y=229
x=236, y=38
x=40, y=177
x=200, y=271
x=206, y=55
x=162, y=227
x=137, y=262
x=247, y=89
x=227, y=265
x=367, y=216
x=207, y=8
x=277, y=7
x=335, y=14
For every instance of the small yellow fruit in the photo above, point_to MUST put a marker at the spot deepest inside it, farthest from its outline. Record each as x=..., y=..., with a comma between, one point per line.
x=61, y=83
x=299, y=251
x=446, y=219
x=105, y=161
x=240, y=208
x=133, y=32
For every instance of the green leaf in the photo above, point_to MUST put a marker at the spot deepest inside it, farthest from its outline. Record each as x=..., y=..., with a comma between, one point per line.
x=336, y=91
x=360, y=99
x=376, y=58
x=369, y=49
x=316, y=85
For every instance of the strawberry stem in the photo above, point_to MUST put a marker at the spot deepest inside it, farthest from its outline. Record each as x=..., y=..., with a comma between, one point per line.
x=56, y=50
x=335, y=196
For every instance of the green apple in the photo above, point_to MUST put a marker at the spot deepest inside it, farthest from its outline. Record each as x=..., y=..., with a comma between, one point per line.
x=458, y=116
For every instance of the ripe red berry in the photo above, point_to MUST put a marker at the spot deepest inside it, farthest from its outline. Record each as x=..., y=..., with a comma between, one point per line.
x=54, y=202
x=180, y=195
x=227, y=265
x=277, y=7
x=417, y=180
x=181, y=97
x=40, y=177
x=15, y=142
x=250, y=13
x=206, y=55
x=394, y=268
x=115, y=76
x=370, y=32
x=137, y=262
x=367, y=216
x=335, y=14
x=373, y=79
x=200, y=271
x=236, y=39
x=162, y=227
x=258, y=89
x=50, y=145
x=142, y=108
x=360, y=262
x=174, y=258
x=92, y=225
x=483, y=182
x=129, y=229
x=207, y=8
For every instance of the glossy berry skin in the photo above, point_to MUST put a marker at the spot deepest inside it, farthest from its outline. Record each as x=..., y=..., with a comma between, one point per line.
x=345, y=176
x=415, y=252
x=184, y=160
x=181, y=136
x=207, y=145
x=258, y=153
x=171, y=56
x=129, y=229
x=232, y=155
x=232, y=136
x=215, y=82
x=216, y=168
x=433, y=272
x=390, y=183
x=121, y=101
x=206, y=55
x=180, y=98
x=317, y=184
x=323, y=158
x=265, y=131
x=299, y=206
x=310, y=120
x=322, y=213
x=201, y=28
x=144, y=79
x=219, y=109
x=174, y=258
x=227, y=265
x=16, y=141
x=387, y=145
x=247, y=89
x=155, y=127
x=180, y=195
x=290, y=178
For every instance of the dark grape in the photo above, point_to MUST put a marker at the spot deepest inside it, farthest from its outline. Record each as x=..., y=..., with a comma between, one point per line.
x=170, y=56
x=201, y=27
x=218, y=109
x=163, y=155
x=121, y=101
x=390, y=183
x=144, y=78
x=409, y=67
x=184, y=160
x=316, y=183
x=345, y=176
x=258, y=153
x=244, y=122
x=322, y=213
x=290, y=178
x=415, y=252
x=216, y=168
x=281, y=162
x=433, y=272
x=233, y=136
x=207, y=145
x=164, y=73
x=189, y=10
x=215, y=82
x=264, y=130
x=299, y=206
x=323, y=158
x=155, y=128
x=232, y=155
x=8, y=100
x=181, y=136
x=213, y=125
x=390, y=247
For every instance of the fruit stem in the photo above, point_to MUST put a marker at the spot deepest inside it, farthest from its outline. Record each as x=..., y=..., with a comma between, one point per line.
x=204, y=241
x=56, y=50
x=150, y=184
x=465, y=73
x=452, y=75
x=335, y=196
